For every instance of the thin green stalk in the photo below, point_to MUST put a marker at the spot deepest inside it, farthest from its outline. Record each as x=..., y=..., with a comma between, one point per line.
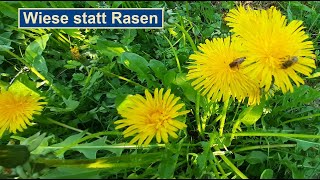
x=231, y=165
x=219, y=166
x=215, y=170
x=224, y=115
x=300, y=118
x=236, y=125
x=174, y=52
x=235, y=114
x=122, y=78
x=264, y=146
x=274, y=135
x=66, y=126
x=316, y=20
x=188, y=37
x=198, y=119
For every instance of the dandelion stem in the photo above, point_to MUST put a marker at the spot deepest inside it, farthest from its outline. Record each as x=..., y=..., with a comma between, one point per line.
x=121, y=77
x=264, y=146
x=231, y=165
x=174, y=52
x=275, y=135
x=66, y=126
x=300, y=118
x=198, y=119
x=224, y=115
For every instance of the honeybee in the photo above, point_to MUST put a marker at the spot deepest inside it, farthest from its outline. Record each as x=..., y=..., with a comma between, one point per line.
x=289, y=62
x=237, y=61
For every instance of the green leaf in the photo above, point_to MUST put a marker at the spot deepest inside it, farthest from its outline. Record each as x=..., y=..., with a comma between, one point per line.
x=40, y=64
x=256, y=157
x=42, y=149
x=267, y=174
x=71, y=104
x=78, y=76
x=300, y=96
x=116, y=4
x=71, y=64
x=69, y=141
x=302, y=6
x=20, y=87
x=314, y=75
x=109, y=48
x=289, y=13
x=128, y=36
x=5, y=42
x=90, y=149
x=304, y=144
x=188, y=90
x=239, y=159
x=138, y=64
x=71, y=173
x=167, y=167
x=36, y=48
x=93, y=4
x=296, y=173
x=169, y=160
x=158, y=68
x=33, y=53
x=9, y=10
x=251, y=114
x=169, y=77
x=203, y=157
x=75, y=33
x=33, y=141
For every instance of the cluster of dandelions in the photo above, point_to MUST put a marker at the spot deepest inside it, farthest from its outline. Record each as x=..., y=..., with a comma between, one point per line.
x=17, y=109
x=263, y=52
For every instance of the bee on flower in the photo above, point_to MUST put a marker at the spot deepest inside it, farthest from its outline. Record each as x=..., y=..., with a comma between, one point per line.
x=217, y=72
x=276, y=50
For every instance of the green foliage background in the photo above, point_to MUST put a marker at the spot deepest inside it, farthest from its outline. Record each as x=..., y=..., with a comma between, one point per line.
x=85, y=74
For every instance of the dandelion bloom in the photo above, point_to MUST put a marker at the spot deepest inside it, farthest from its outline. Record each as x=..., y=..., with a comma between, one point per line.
x=218, y=72
x=146, y=118
x=276, y=51
x=17, y=110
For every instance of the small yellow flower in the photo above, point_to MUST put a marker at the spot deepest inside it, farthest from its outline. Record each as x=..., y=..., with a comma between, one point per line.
x=276, y=51
x=146, y=118
x=218, y=72
x=17, y=110
x=173, y=32
x=75, y=53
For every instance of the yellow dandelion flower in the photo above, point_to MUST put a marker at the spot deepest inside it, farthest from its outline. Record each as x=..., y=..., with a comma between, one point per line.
x=276, y=51
x=17, y=110
x=218, y=72
x=146, y=118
